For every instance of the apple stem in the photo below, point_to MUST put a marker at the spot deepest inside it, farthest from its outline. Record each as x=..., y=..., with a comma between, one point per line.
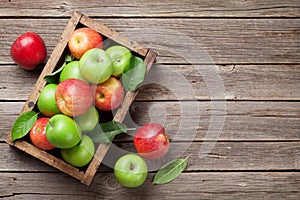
x=131, y=166
x=51, y=125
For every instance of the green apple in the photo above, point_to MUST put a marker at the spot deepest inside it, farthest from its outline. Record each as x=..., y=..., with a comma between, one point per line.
x=47, y=103
x=95, y=66
x=131, y=170
x=88, y=120
x=63, y=132
x=121, y=59
x=71, y=70
x=81, y=154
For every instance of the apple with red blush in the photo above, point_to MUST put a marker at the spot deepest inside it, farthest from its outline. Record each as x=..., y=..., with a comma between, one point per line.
x=151, y=141
x=108, y=95
x=73, y=97
x=28, y=50
x=37, y=134
x=83, y=39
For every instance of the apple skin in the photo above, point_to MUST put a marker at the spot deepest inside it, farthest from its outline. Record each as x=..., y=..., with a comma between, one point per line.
x=81, y=154
x=73, y=97
x=95, y=66
x=28, y=50
x=37, y=134
x=71, y=70
x=121, y=59
x=83, y=39
x=109, y=95
x=46, y=102
x=130, y=170
x=151, y=141
x=88, y=120
x=63, y=132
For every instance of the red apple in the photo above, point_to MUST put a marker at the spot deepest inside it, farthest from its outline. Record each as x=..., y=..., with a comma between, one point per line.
x=151, y=141
x=109, y=95
x=73, y=97
x=28, y=50
x=37, y=134
x=83, y=39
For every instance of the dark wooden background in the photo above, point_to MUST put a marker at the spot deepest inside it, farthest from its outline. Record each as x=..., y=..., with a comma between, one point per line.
x=256, y=50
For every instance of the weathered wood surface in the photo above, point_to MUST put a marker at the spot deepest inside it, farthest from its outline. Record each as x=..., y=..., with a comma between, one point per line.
x=188, y=121
x=225, y=156
x=152, y=8
x=210, y=185
x=221, y=41
x=186, y=82
x=255, y=46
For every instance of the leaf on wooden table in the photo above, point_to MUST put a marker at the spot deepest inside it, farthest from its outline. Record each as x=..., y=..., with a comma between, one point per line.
x=23, y=125
x=170, y=171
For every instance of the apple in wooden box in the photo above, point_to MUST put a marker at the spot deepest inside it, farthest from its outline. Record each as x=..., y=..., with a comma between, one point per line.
x=78, y=20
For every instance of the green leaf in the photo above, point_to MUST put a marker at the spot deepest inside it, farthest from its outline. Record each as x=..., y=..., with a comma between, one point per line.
x=106, y=132
x=170, y=171
x=23, y=125
x=135, y=75
x=68, y=59
x=54, y=76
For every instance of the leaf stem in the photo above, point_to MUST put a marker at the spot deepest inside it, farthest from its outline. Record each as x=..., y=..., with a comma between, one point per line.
x=131, y=129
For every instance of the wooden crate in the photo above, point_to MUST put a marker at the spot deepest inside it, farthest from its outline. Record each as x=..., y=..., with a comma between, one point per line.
x=78, y=20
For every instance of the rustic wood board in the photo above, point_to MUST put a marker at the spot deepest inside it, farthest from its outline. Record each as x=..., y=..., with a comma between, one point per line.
x=186, y=82
x=153, y=8
x=226, y=41
x=195, y=185
x=251, y=121
x=225, y=156
x=255, y=45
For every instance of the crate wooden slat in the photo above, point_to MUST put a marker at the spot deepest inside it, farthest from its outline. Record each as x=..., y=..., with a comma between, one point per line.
x=53, y=62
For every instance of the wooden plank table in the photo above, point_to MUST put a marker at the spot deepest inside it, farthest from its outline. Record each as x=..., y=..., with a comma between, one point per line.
x=251, y=128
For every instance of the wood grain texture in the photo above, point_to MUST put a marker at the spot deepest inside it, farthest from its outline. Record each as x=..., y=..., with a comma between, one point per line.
x=147, y=8
x=221, y=41
x=224, y=156
x=188, y=121
x=187, y=82
x=255, y=45
x=228, y=156
x=117, y=37
x=230, y=82
x=207, y=185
